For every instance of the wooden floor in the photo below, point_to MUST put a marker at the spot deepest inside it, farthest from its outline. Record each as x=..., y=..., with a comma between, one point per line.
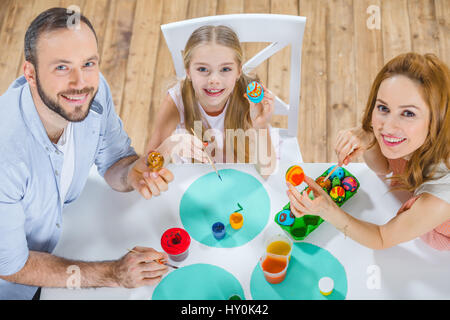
x=342, y=52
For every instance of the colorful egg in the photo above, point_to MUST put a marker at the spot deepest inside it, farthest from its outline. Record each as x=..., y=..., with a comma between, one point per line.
x=326, y=185
x=337, y=194
x=339, y=172
x=155, y=161
x=335, y=182
x=286, y=218
x=295, y=175
x=255, y=92
x=349, y=184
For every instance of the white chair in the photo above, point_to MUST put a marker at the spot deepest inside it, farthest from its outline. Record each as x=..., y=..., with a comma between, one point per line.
x=280, y=31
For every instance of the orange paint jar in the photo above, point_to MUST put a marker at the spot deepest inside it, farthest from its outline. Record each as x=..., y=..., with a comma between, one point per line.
x=236, y=220
x=274, y=267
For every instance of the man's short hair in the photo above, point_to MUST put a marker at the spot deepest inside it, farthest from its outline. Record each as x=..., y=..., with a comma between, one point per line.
x=49, y=20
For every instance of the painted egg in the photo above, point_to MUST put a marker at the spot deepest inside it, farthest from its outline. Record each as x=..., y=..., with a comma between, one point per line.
x=295, y=175
x=326, y=185
x=155, y=161
x=338, y=173
x=255, y=92
x=335, y=182
x=286, y=218
x=349, y=184
x=337, y=194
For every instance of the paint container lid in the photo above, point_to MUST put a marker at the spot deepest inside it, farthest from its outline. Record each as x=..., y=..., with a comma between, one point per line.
x=175, y=241
x=326, y=285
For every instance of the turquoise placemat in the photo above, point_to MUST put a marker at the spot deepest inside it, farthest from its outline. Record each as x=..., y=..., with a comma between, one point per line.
x=198, y=282
x=307, y=266
x=209, y=200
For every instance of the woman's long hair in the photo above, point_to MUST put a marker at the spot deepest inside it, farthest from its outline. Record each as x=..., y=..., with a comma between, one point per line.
x=433, y=76
x=238, y=112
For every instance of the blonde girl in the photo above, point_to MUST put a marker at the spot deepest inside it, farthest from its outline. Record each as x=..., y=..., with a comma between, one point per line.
x=212, y=101
x=405, y=131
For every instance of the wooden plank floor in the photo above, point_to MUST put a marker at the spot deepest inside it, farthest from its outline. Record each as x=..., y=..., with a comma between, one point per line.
x=345, y=44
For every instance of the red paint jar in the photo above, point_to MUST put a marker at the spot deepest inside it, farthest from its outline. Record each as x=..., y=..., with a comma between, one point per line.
x=175, y=242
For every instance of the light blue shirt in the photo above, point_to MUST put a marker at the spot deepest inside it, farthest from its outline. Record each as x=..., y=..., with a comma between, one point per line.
x=30, y=167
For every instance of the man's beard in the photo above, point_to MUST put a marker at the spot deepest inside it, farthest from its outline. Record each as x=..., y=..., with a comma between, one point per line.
x=77, y=115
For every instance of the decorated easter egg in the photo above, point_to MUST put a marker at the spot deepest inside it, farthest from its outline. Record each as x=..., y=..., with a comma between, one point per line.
x=255, y=92
x=337, y=194
x=349, y=184
x=325, y=184
x=286, y=218
x=339, y=172
x=155, y=161
x=295, y=175
x=335, y=182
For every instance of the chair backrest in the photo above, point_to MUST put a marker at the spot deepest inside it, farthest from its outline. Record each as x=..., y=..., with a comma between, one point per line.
x=279, y=30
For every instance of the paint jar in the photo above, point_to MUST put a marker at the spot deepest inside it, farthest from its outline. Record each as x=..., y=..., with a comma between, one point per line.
x=274, y=267
x=175, y=242
x=326, y=286
x=236, y=220
x=218, y=230
x=280, y=245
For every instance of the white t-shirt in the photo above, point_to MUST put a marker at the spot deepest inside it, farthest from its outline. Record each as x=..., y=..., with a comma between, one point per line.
x=66, y=146
x=439, y=187
x=216, y=123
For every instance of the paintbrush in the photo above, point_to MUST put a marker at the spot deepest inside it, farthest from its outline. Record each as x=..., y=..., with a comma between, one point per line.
x=328, y=175
x=209, y=158
x=331, y=172
x=159, y=260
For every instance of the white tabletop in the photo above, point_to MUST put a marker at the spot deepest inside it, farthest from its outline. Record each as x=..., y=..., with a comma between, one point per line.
x=102, y=224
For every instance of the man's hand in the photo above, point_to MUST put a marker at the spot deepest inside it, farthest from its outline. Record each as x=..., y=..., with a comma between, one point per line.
x=146, y=182
x=139, y=268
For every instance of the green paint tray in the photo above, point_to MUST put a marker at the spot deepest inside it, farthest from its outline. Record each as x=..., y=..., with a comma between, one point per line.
x=302, y=227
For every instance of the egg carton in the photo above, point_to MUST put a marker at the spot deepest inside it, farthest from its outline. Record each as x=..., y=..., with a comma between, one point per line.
x=299, y=228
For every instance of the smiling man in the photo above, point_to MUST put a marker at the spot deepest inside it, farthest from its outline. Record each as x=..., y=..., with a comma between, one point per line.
x=58, y=120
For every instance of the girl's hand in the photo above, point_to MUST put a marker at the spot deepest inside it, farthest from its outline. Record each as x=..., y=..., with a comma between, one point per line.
x=183, y=145
x=352, y=143
x=301, y=204
x=261, y=113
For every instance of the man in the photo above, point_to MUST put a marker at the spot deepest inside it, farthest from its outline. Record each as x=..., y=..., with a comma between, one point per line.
x=58, y=119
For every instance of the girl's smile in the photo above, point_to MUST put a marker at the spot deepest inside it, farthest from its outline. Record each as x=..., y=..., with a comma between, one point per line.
x=213, y=71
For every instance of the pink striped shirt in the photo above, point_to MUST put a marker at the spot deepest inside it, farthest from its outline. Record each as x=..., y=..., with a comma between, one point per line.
x=439, y=237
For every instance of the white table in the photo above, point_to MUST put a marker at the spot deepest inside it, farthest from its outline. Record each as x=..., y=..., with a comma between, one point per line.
x=103, y=223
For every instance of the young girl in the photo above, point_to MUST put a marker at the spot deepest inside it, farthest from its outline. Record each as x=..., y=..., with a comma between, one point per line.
x=405, y=131
x=212, y=101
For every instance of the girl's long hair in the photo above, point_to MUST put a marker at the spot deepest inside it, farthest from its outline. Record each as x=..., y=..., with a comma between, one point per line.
x=238, y=112
x=433, y=77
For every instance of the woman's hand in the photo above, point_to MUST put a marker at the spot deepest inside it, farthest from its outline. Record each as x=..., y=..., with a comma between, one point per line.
x=351, y=143
x=301, y=204
x=261, y=113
